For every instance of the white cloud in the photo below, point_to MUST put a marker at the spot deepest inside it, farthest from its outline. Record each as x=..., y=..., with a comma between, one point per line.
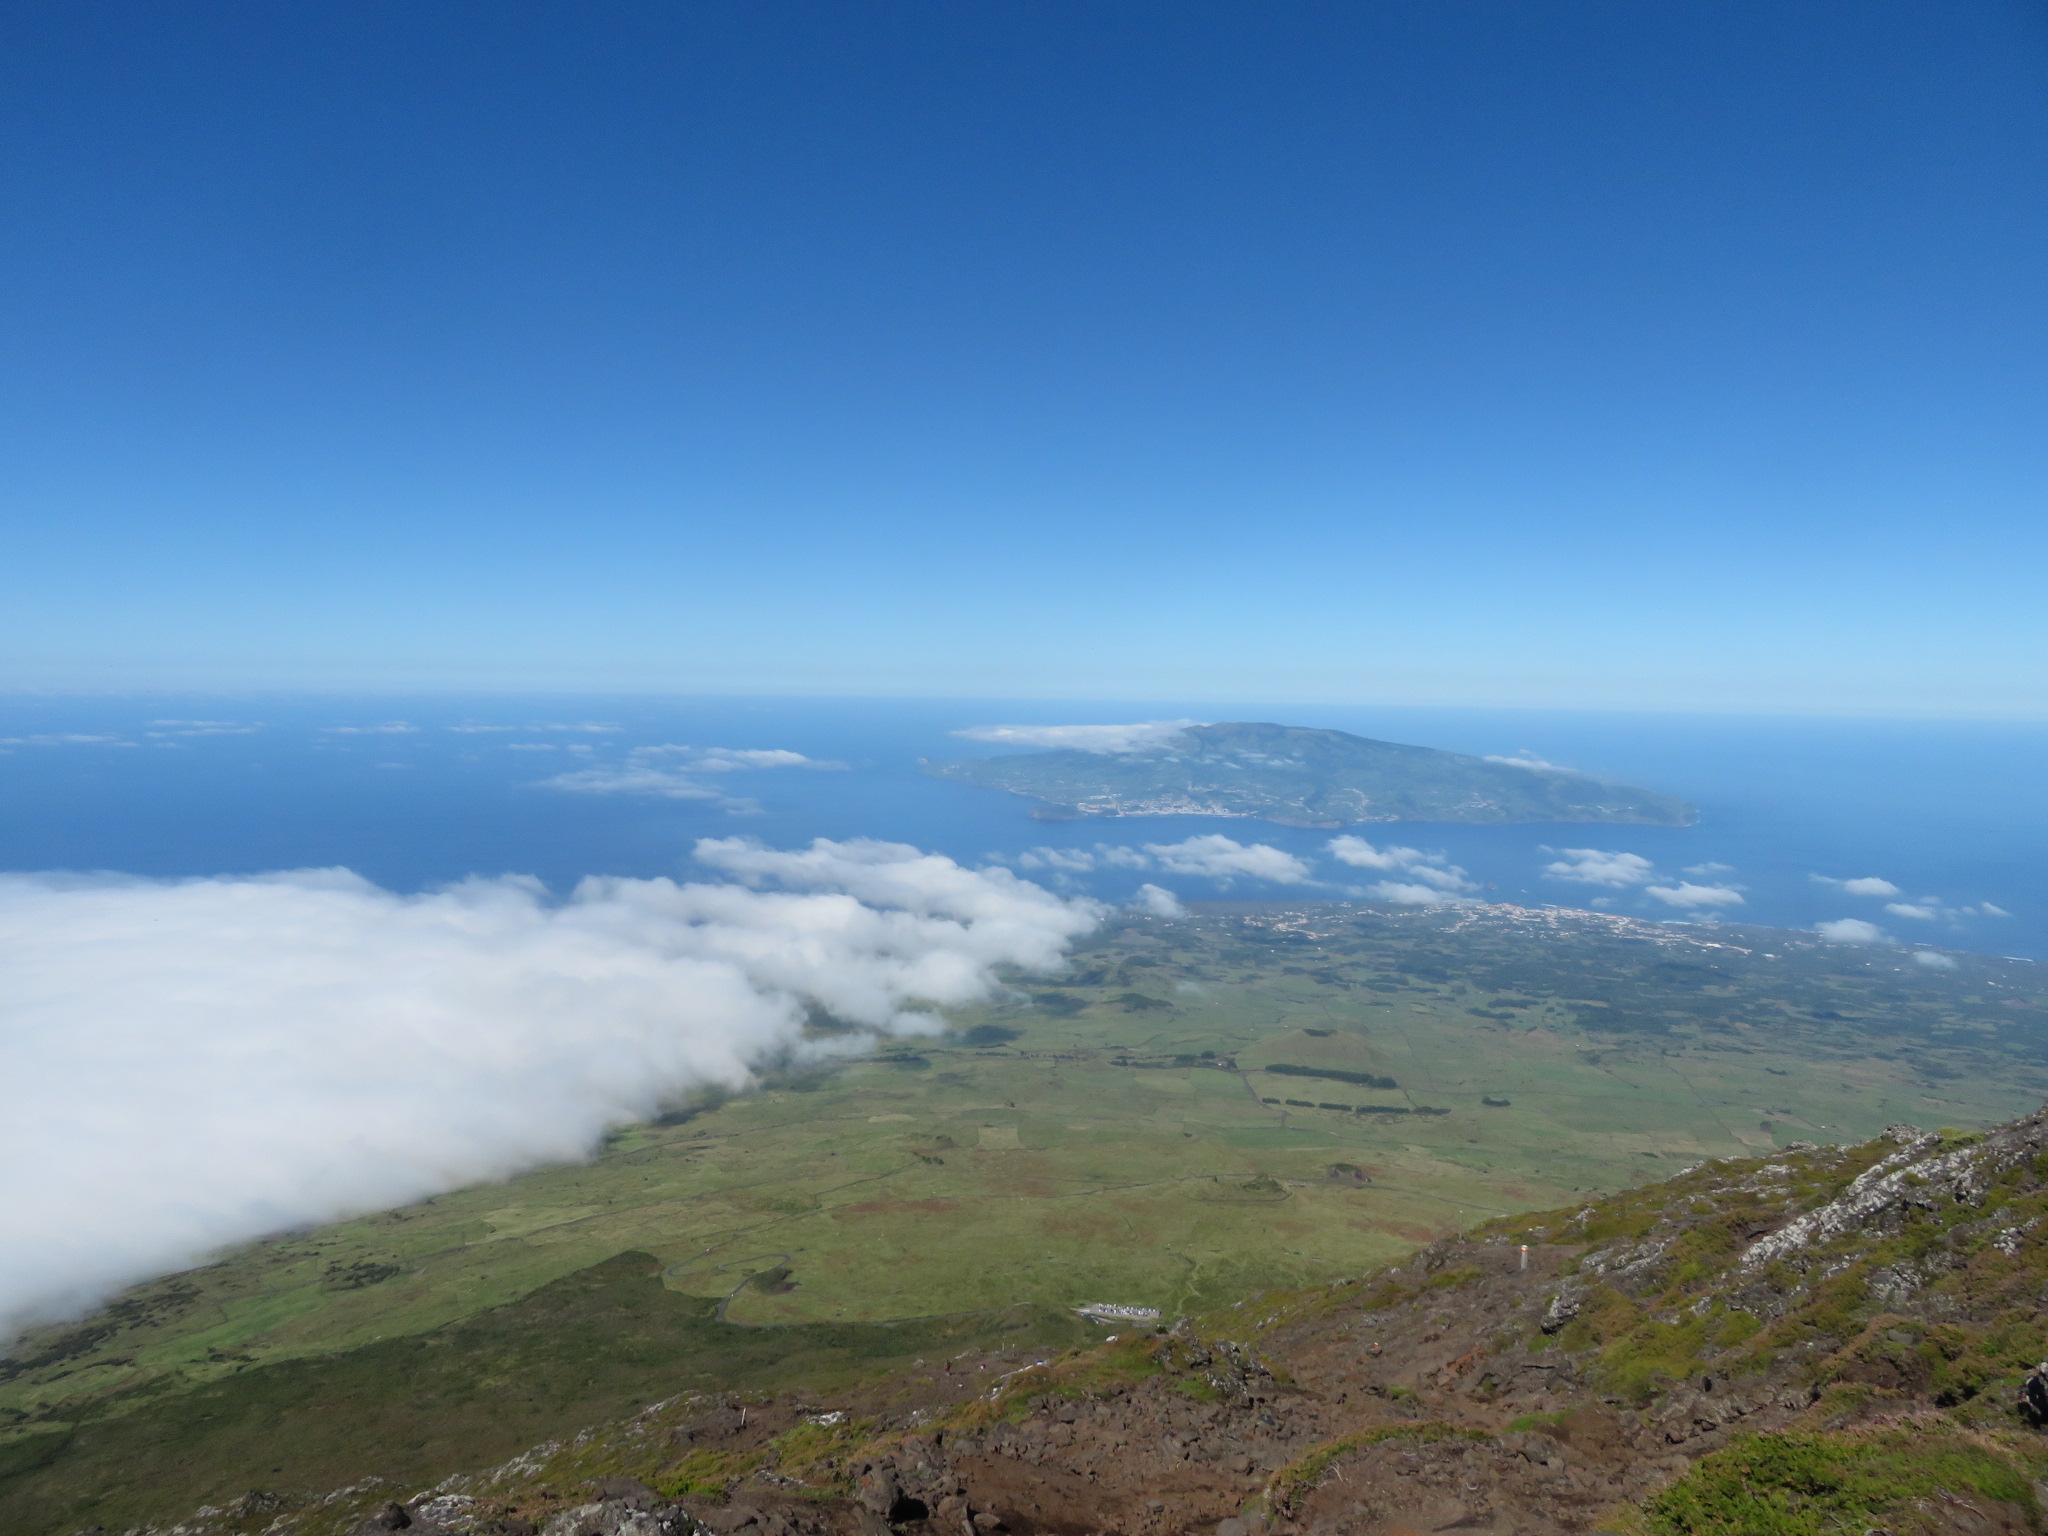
x=1709, y=869
x=1117, y=856
x=1988, y=910
x=201, y=728
x=1222, y=858
x=730, y=759
x=1527, y=759
x=1852, y=930
x=198, y=1063
x=1159, y=901
x=1071, y=861
x=1414, y=895
x=632, y=780
x=1429, y=878
x=1862, y=885
x=1686, y=894
x=1450, y=879
x=1934, y=959
x=1360, y=854
x=64, y=739
x=586, y=727
x=644, y=773
x=1139, y=737
x=1927, y=911
x=388, y=728
x=1600, y=866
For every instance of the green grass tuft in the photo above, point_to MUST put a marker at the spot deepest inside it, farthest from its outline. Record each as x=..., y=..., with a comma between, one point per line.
x=1827, y=1485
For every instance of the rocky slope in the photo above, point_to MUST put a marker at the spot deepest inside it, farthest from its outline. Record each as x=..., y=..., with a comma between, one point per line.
x=1831, y=1339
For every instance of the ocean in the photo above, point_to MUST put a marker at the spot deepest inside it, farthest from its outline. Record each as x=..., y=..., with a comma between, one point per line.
x=414, y=792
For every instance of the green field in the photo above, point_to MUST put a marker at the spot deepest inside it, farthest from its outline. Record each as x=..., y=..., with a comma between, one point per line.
x=1114, y=1135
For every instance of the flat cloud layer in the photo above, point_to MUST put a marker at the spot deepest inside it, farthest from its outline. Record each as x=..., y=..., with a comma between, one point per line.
x=1081, y=738
x=1601, y=866
x=1852, y=930
x=1862, y=885
x=1208, y=856
x=198, y=1063
x=664, y=771
x=1225, y=858
x=1687, y=894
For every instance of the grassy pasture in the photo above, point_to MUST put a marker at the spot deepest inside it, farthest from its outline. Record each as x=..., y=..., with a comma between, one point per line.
x=1108, y=1136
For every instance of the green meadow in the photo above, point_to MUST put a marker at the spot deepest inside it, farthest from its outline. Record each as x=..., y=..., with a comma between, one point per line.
x=1116, y=1134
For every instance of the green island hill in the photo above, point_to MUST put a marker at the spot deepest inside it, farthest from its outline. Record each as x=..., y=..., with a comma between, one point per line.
x=1300, y=777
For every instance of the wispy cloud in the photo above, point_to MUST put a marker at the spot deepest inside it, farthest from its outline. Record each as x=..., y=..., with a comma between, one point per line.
x=1527, y=759
x=666, y=771
x=1210, y=857
x=1427, y=879
x=1221, y=858
x=1686, y=894
x=228, y=1057
x=1925, y=911
x=1360, y=854
x=1934, y=959
x=1409, y=893
x=632, y=779
x=730, y=759
x=1861, y=885
x=1600, y=866
x=1139, y=737
x=201, y=728
x=65, y=739
x=1852, y=930
x=387, y=728
x=1070, y=861
x=582, y=727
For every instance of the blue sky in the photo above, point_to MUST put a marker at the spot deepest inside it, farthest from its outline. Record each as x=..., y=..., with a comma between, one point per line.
x=1586, y=354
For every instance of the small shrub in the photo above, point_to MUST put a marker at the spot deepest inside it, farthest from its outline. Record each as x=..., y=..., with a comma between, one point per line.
x=703, y=1472
x=1821, y=1485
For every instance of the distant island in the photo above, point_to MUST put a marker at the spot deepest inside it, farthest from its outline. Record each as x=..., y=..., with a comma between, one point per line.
x=1307, y=778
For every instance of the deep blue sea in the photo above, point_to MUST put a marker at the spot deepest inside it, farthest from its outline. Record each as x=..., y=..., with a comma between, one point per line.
x=414, y=792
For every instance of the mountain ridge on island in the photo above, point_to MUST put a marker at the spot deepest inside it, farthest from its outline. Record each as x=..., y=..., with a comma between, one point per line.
x=1306, y=777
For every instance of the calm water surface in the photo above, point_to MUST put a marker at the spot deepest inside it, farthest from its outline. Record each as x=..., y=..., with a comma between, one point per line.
x=411, y=793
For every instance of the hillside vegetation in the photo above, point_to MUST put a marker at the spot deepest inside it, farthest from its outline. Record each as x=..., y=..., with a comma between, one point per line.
x=957, y=1201
x=1824, y=1340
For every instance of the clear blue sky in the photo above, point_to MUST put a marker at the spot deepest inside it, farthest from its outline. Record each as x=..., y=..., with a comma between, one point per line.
x=1655, y=355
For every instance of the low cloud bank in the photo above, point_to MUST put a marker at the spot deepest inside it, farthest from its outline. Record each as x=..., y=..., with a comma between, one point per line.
x=1139, y=737
x=1224, y=858
x=1425, y=879
x=1851, y=930
x=1862, y=885
x=1600, y=866
x=668, y=772
x=1690, y=896
x=197, y=1063
x=1210, y=856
